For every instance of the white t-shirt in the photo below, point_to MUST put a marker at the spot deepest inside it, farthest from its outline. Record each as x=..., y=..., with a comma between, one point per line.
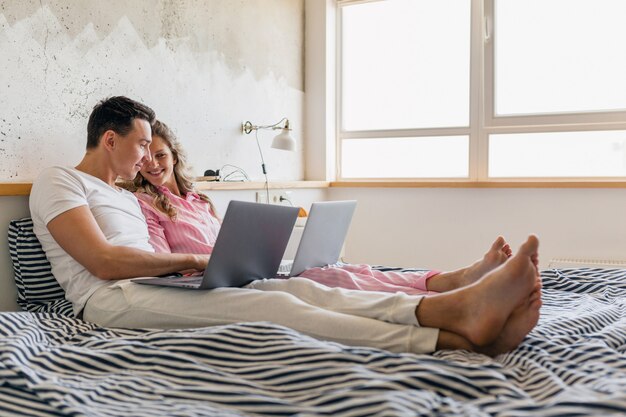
x=117, y=212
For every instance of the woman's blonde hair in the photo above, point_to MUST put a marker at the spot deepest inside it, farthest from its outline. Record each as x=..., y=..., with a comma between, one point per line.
x=183, y=179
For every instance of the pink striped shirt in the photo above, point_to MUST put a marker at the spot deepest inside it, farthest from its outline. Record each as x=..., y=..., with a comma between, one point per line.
x=194, y=230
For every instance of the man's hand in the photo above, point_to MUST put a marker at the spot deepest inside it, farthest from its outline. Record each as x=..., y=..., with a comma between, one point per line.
x=202, y=262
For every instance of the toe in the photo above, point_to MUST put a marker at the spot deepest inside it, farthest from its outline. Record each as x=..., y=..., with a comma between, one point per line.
x=530, y=247
x=499, y=243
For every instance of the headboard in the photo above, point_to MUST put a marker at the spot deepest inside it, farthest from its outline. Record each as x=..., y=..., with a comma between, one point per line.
x=11, y=207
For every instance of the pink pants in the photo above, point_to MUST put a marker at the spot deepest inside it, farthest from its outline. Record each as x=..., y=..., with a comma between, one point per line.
x=363, y=277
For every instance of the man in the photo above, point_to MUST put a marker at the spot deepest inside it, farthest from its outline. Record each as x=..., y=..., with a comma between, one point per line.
x=95, y=237
x=76, y=220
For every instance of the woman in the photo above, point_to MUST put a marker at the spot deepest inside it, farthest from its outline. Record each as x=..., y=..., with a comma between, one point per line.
x=181, y=220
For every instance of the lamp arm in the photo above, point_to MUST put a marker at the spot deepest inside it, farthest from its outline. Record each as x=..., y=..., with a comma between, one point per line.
x=275, y=125
x=248, y=127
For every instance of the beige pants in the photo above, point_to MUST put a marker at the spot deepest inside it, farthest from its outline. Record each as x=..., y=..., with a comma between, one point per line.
x=351, y=317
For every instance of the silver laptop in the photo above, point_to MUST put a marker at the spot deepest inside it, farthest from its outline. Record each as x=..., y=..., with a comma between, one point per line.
x=322, y=239
x=250, y=245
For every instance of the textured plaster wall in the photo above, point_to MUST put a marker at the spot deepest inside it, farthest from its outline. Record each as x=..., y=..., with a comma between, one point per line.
x=203, y=65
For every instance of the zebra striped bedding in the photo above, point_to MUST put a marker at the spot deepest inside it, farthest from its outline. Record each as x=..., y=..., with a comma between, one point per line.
x=572, y=364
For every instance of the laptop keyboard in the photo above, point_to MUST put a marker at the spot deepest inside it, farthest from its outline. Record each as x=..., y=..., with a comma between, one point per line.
x=185, y=279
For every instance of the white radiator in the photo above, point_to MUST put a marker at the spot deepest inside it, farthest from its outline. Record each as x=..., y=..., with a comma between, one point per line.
x=582, y=263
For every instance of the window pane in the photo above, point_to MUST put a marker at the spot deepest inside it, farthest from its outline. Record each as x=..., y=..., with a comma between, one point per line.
x=562, y=154
x=559, y=56
x=405, y=64
x=423, y=157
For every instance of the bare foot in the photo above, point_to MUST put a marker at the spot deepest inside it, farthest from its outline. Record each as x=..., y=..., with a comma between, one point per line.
x=497, y=254
x=523, y=319
x=479, y=311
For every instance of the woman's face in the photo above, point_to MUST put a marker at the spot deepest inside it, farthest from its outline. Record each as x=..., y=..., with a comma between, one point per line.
x=160, y=171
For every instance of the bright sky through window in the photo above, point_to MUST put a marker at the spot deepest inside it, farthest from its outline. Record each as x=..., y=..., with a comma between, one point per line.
x=405, y=64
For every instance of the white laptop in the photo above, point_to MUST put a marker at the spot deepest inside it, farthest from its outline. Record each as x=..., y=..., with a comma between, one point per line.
x=322, y=239
x=250, y=245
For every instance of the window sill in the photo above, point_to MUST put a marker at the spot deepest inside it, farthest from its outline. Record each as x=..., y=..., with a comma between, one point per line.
x=535, y=183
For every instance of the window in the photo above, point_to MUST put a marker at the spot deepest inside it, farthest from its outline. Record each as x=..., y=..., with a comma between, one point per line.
x=548, y=61
x=413, y=56
x=481, y=90
x=558, y=154
x=441, y=156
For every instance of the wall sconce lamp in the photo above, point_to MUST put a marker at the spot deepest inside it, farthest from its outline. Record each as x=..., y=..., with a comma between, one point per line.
x=282, y=141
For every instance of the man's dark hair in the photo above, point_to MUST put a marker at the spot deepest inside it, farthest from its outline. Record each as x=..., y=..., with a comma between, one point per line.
x=116, y=114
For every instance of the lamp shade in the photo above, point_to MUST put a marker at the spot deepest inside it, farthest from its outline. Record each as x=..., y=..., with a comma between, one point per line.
x=284, y=141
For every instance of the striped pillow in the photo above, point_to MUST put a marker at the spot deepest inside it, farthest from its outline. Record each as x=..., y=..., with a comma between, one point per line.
x=37, y=289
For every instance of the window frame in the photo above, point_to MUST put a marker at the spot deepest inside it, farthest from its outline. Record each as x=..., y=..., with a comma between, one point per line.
x=482, y=119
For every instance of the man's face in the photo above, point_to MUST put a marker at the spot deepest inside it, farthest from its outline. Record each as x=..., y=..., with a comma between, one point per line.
x=133, y=149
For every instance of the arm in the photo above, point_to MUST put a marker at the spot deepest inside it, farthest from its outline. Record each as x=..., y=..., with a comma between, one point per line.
x=155, y=229
x=77, y=232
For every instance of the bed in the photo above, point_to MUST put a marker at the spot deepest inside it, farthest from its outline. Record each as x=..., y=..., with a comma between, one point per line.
x=572, y=364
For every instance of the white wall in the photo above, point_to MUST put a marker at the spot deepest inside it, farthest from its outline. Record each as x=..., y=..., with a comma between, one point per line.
x=203, y=65
x=319, y=83
x=11, y=208
x=446, y=228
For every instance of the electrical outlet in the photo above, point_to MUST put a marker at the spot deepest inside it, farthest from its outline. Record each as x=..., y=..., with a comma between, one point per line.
x=276, y=197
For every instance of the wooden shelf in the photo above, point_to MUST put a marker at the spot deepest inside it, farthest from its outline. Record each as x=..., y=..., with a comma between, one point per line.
x=15, y=188
x=23, y=188
x=259, y=185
